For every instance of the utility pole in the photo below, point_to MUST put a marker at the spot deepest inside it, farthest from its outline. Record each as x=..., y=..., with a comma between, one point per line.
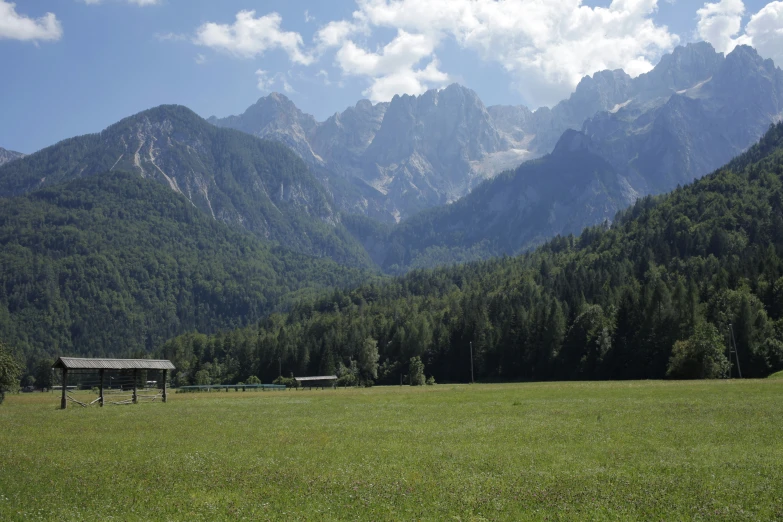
x=471, y=363
x=734, y=349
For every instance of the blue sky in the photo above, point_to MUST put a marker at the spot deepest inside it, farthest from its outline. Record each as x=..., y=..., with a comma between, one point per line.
x=89, y=63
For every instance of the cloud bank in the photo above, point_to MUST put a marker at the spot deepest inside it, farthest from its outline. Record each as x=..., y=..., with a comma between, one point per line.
x=545, y=46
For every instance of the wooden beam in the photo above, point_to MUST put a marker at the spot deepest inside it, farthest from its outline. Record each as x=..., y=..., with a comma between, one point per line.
x=64, y=401
x=164, y=385
x=135, y=381
x=101, y=396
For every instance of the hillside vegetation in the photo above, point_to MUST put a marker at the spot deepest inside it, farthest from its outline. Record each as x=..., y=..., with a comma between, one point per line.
x=115, y=264
x=613, y=303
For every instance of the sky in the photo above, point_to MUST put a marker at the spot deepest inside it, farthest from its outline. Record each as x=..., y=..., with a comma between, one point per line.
x=71, y=67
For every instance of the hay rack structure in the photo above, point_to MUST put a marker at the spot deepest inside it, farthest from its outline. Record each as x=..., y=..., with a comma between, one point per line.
x=120, y=379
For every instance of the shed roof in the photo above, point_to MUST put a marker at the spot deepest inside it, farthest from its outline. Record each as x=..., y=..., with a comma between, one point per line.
x=318, y=378
x=78, y=363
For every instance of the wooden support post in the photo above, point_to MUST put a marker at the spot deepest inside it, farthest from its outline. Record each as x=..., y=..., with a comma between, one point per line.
x=135, y=384
x=102, y=371
x=164, y=385
x=64, y=402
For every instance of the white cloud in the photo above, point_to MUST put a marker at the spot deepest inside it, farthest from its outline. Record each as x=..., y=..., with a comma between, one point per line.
x=719, y=24
x=324, y=76
x=17, y=26
x=200, y=59
x=335, y=33
x=765, y=30
x=547, y=46
x=172, y=37
x=265, y=81
x=287, y=86
x=249, y=36
x=394, y=69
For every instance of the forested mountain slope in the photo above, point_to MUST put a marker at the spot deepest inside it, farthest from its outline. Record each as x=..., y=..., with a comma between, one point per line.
x=233, y=177
x=608, y=304
x=115, y=264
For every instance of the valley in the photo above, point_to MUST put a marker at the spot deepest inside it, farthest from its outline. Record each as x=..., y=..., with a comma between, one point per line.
x=459, y=260
x=418, y=183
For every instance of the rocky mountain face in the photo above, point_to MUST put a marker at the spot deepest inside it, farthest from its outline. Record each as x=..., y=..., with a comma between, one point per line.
x=697, y=111
x=609, y=91
x=556, y=194
x=391, y=160
x=691, y=114
x=400, y=157
x=233, y=177
x=9, y=155
x=432, y=149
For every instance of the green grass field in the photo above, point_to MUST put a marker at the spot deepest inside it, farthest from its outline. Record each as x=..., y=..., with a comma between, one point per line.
x=550, y=451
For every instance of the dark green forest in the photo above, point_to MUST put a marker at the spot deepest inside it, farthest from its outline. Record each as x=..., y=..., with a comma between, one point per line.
x=652, y=295
x=116, y=264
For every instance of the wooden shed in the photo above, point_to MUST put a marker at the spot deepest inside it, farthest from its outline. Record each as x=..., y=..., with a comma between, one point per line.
x=318, y=381
x=102, y=366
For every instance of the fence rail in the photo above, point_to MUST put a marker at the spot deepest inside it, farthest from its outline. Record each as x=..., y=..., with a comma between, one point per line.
x=227, y=387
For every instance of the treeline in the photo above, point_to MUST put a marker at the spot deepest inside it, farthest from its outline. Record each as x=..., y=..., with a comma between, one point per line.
x=613, y=303
x=114, y=264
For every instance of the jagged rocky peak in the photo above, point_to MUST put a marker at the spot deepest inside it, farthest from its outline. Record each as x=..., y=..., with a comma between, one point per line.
x=447, y=119
x=273, y=111
x=353, y=128
x=743, y=68
x=685, y=67
x=601, y=91
x=9, y=155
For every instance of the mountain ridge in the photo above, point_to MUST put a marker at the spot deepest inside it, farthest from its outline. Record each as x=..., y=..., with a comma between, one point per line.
x=258, y=185
x=416, y=152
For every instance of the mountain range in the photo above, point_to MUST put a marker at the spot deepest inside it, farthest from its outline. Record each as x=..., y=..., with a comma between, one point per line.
x=417, y=152
x=658, y=134
x=438, y=178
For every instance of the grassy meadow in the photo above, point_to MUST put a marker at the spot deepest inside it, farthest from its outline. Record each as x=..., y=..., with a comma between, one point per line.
x=547, y=451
